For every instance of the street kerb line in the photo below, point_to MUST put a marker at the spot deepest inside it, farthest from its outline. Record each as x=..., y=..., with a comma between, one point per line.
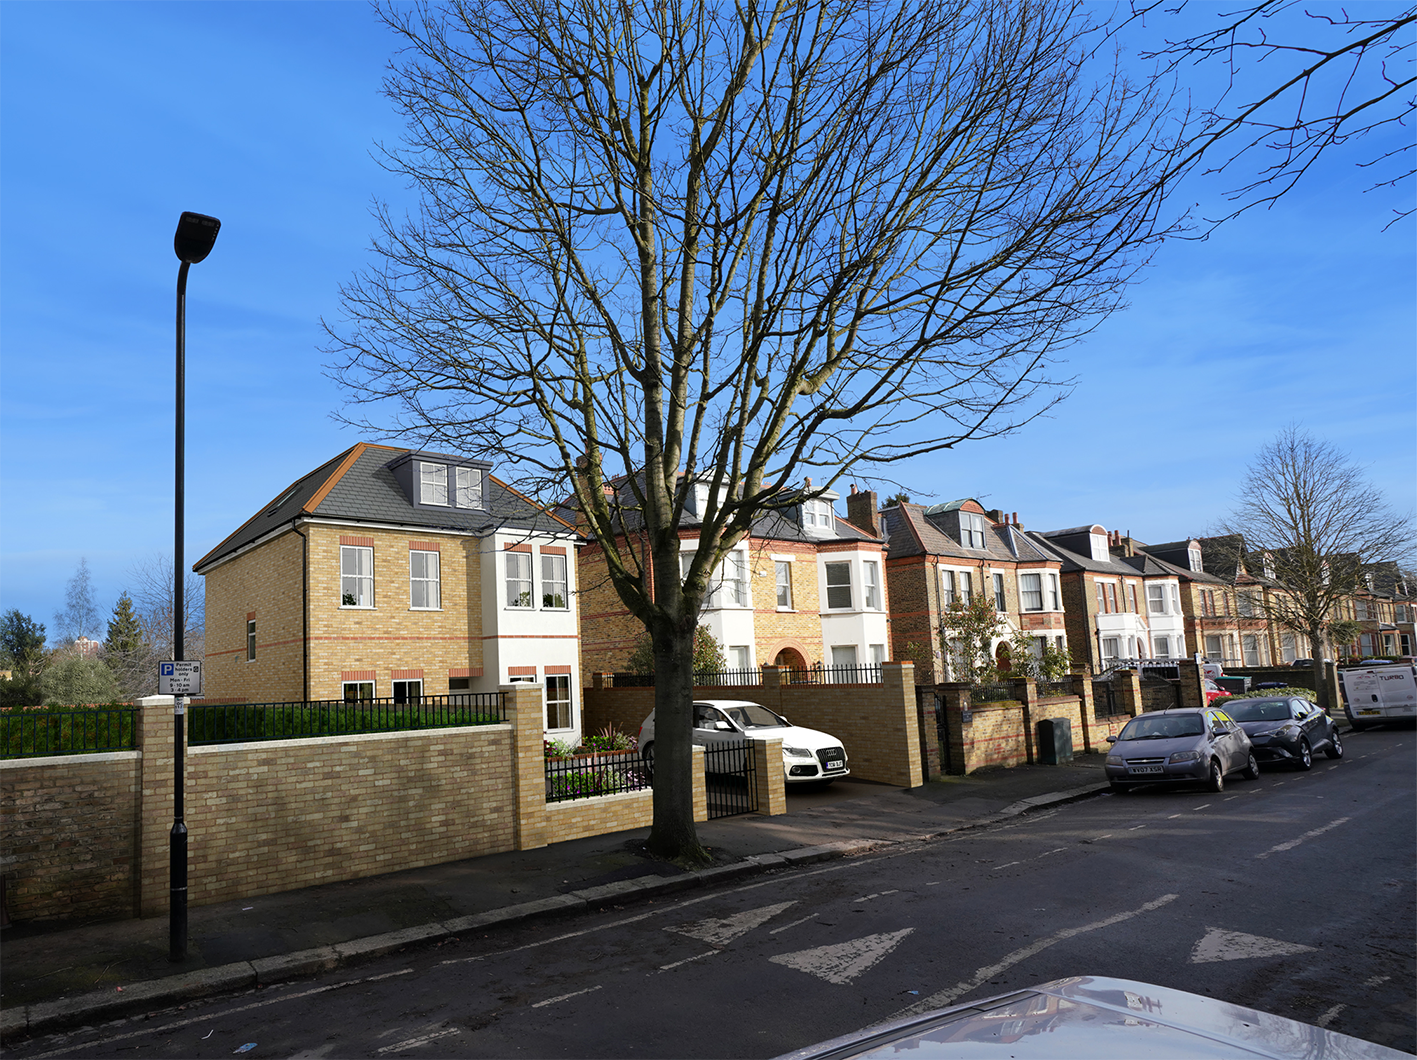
x=1303, y=838
x=983, y=975
x=70, y=1048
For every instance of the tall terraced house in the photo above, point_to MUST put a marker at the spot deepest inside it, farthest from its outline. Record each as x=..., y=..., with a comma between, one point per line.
x=394, y=573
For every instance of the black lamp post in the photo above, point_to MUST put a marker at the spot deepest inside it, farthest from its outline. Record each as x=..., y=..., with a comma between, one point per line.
x=196, y=235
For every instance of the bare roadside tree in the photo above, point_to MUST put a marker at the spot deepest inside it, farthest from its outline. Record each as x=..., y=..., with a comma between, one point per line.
x=672, y=244
x=1316, y=77
x=1307, y=514
x=79, y=616
x=152, y=606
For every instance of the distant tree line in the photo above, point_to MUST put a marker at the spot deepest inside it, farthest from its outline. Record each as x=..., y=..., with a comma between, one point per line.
x=79, y=668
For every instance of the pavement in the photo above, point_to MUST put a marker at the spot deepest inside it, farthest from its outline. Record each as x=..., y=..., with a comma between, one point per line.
x=56, y=976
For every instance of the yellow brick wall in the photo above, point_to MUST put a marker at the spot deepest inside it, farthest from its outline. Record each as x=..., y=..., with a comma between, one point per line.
x=68, y=835
x=798, y=630
x=390, y=636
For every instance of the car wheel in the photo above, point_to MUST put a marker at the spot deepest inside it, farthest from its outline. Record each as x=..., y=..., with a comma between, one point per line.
x=1335, y=746
x=647, y=754
x=1252, y=768
x=1217, y=777
x=1306, y=755
x=1120, y=789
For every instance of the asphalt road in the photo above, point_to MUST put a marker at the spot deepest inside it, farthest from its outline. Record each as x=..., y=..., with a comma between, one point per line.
x=1293, y=894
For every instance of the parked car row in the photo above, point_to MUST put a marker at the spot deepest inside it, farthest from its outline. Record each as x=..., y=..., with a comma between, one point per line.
x=1188, y=746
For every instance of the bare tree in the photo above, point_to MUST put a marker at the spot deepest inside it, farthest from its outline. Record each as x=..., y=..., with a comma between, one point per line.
x=152, y=605
x=79, y=616
x=1312, y=525
x=667, y=245
x=1315, y=79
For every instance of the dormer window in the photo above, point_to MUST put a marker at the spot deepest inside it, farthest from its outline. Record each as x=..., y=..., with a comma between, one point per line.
x=1194, y=556
x=433, y=483
x=817, y=515
x=971, y=530
x=469, y=487
x=1269, y=566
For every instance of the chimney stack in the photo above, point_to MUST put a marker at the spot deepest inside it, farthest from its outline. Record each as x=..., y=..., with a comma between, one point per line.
x=861, y=511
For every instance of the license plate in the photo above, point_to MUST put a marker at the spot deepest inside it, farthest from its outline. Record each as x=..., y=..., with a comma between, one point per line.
x=1369, y=712
x=1144, y=769
x=835, y=765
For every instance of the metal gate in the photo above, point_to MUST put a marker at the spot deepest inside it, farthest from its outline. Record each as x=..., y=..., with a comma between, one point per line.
x=730, y=779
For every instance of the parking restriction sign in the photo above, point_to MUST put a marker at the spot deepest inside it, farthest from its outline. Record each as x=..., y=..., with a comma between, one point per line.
x=179, y=679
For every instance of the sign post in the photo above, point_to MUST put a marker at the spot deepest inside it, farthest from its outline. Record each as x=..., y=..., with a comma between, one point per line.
x=178, y=679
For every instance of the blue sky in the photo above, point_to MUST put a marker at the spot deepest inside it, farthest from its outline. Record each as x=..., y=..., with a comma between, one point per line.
x=116, y=117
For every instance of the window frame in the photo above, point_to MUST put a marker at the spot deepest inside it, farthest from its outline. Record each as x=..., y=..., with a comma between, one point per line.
x=1155, y=598
x=250, y=640
x=433, y=583
x=345, y=686
x=827, y=581
x=1029, y=590
x=1001, y=598
x=509, y=602
x=407, y=694
x=948, y=591
x=782, y=579
x=469, y=491
x=425, y=482
x=549, y=580
x=871, y=584
x=971, y=527
x=1054, y=592
x=555, y=683
x=345, y=550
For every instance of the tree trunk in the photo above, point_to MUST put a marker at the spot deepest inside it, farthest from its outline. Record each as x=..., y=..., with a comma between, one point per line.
x=673, y=834
x=1318, y=650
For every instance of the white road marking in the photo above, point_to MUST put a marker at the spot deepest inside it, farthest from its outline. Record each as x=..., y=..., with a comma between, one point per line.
x=1173, y=816
x=794, y=923
x=1377, y=980
x=1303, y=838
x=843, y=961
x=1327, y=1017
x=69, y=1048
x=718, y=931
x=983, y=975
x=413, y=1043
x=1056, y=850
x=686, y=960
x=573, y=934
x=1107, y=836
x=1221, y=945
x=882, y=894
x=1135, y=827
x=1003, y=866
x=1206, y=806
x=562, y=997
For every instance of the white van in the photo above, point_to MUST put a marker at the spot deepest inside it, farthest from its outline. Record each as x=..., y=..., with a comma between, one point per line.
x=1373, y=694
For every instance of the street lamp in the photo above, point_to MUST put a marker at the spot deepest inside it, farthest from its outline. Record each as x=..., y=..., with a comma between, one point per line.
x=196, y=235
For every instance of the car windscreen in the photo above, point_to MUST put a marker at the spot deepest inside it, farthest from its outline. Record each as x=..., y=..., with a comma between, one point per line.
x=1163, y=727
x=1258, y=709
x=753, y=716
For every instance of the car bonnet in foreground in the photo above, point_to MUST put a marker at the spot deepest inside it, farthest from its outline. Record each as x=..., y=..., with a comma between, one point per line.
x=1095, y=1018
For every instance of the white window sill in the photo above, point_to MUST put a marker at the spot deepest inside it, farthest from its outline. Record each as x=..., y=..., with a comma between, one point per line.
x=425, y=609
x=357, y=607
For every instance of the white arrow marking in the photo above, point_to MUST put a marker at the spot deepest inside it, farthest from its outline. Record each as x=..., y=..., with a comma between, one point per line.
x=1221, y=945
x=718, y=931
x=844, y=961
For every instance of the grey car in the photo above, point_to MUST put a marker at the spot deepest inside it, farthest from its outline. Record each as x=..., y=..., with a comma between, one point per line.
x=1180, y=746
x=1287, y=729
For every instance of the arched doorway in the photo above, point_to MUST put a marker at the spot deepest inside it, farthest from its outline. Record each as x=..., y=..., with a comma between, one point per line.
x=1002, y=661
x=790, y=659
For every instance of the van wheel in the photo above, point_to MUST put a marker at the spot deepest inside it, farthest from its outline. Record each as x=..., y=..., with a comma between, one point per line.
x=1335, y=746
x=1217, y=777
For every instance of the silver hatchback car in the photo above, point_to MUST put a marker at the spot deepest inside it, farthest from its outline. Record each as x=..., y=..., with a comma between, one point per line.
x=1180, y=746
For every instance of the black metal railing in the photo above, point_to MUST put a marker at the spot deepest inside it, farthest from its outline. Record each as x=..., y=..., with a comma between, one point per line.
x=1055, y=688
x=730, y=784
x=33, y=732
x=834, y=675
x=1105, y=701
x=990, y=693
x=591, y=775
x=240, y=722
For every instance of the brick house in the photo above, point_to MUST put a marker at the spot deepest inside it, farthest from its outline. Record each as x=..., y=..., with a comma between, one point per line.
x=1222, y=620
x=389, y=572
x=950, y=552
x=806, y=588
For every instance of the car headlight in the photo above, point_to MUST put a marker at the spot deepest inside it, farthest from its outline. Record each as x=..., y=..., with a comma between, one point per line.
x=1114, y=760
x=1185, y=756
x=796, y=752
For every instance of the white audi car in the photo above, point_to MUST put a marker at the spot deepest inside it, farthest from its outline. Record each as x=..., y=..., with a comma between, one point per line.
x=808, y=756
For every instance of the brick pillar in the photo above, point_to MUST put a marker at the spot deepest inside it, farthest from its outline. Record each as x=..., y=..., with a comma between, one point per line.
x=155, y=741
x=524, y=712
x=1126, y=686
x=1082, y=688
x=959, y=742
x=1334, y=706
x=929, y=708
x=1026, y=692
x=600, y=682
x=767, y=777
x=1192, y=683
x=700, y=786
x=898, y=720
x=772, y=677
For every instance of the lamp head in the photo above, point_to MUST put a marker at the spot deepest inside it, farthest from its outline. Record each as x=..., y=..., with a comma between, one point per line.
x=196, y=234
